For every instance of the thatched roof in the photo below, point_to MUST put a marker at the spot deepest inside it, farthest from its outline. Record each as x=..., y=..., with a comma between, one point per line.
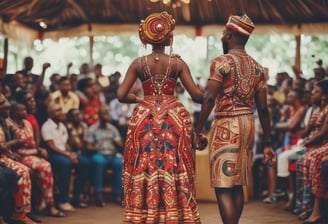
x=55, y=18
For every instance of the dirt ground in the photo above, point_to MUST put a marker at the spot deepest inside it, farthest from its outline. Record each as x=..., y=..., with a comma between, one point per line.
x=255, y=212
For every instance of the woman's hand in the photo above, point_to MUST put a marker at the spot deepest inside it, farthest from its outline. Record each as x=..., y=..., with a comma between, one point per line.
x=43, y=152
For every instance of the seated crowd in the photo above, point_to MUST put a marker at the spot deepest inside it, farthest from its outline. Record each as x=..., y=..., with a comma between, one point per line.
x=57, y=142
x=299, y=117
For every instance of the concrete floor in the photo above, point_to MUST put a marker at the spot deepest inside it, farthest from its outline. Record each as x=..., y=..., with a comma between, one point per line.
x=255, y=212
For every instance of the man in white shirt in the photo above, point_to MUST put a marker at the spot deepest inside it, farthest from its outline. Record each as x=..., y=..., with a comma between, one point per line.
x=55, y=137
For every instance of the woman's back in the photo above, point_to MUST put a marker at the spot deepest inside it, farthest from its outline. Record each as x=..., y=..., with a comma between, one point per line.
x=158, y=73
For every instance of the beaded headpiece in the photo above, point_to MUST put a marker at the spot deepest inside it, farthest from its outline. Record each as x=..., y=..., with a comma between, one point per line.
x=241, y=24
x=156, y=28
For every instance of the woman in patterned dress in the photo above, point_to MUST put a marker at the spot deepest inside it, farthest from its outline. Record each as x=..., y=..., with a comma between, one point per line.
x=22, y=195
x=35, y=158
x=159, y=161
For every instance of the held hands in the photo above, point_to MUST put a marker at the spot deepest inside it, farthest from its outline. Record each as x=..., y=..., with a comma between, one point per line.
x=199, y=141
x=269, y=155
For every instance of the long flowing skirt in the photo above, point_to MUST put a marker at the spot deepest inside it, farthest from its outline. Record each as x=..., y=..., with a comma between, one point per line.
x=159, y=165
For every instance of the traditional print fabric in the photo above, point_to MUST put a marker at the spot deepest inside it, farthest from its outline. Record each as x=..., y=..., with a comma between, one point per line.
x=230, y=142
x=232, y=133
x=159, y=162
x=40, y=167
x=22, y=195
x=159, y=175
x=241, y=77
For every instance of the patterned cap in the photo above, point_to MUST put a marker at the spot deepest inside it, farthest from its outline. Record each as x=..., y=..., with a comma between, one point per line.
x=241, y=24
x=156, y=28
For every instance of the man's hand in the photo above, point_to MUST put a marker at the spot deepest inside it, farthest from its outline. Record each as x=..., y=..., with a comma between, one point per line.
x=73, y=158
x=199, y=141
x=45, y=66
x=269, y=156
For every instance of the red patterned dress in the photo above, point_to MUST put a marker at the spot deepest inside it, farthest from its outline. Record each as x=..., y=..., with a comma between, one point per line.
x=22, y=195
x=40, y=167
x=159, y=162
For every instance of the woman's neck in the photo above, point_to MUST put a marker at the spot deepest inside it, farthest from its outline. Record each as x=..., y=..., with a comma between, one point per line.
x=158, y=49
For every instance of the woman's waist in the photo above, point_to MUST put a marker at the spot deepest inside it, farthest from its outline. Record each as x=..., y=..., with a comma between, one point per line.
x=159, y=98
x=161, y=102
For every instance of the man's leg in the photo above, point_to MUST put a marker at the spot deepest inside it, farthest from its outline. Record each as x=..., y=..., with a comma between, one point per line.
x=81, y=171
x=98, y=166
x=62, y=166
x=230, y=202
x=6, y=203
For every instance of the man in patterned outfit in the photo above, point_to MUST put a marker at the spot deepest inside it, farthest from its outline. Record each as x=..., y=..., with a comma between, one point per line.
x=236, y=87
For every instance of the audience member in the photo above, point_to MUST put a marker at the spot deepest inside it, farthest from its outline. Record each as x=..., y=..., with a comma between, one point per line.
x=54, y=79
x=308, y=166
x=34, y=157
x=90, y=101
x=78, y=132
x=85, y=72
x=64, y=97
x=290, y=128
x=42, y=100
x=101, y=79
x=22, y=193
x=105, y=144
x=111, y=90
x=63, y=160
x=28, y=64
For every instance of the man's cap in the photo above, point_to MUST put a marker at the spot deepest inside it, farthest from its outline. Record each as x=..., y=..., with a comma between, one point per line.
x=241, y=24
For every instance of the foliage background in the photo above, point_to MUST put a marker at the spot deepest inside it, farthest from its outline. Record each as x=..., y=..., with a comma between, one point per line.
x=115, y=53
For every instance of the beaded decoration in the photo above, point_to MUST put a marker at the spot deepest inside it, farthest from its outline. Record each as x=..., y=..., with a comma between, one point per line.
x=157, y=81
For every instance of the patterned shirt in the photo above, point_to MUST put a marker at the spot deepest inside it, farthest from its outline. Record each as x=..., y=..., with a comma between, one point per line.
x=90, y=110
x=78, y=135
x=241, y=77
x=26, y=134
x=104, y=138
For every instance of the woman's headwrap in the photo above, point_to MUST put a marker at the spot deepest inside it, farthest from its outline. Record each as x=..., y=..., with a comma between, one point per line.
x=156, y=28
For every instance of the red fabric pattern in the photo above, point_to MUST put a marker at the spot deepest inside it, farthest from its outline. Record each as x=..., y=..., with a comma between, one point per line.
x=159, y=174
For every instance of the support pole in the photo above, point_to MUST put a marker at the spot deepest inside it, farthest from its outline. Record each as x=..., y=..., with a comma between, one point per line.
x=91, y=42
x=298, y=51
x=297, y=66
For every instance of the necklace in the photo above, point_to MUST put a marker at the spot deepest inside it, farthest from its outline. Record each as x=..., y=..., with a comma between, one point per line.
x=158, y=82
x=156, y=57
x=157, y=52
